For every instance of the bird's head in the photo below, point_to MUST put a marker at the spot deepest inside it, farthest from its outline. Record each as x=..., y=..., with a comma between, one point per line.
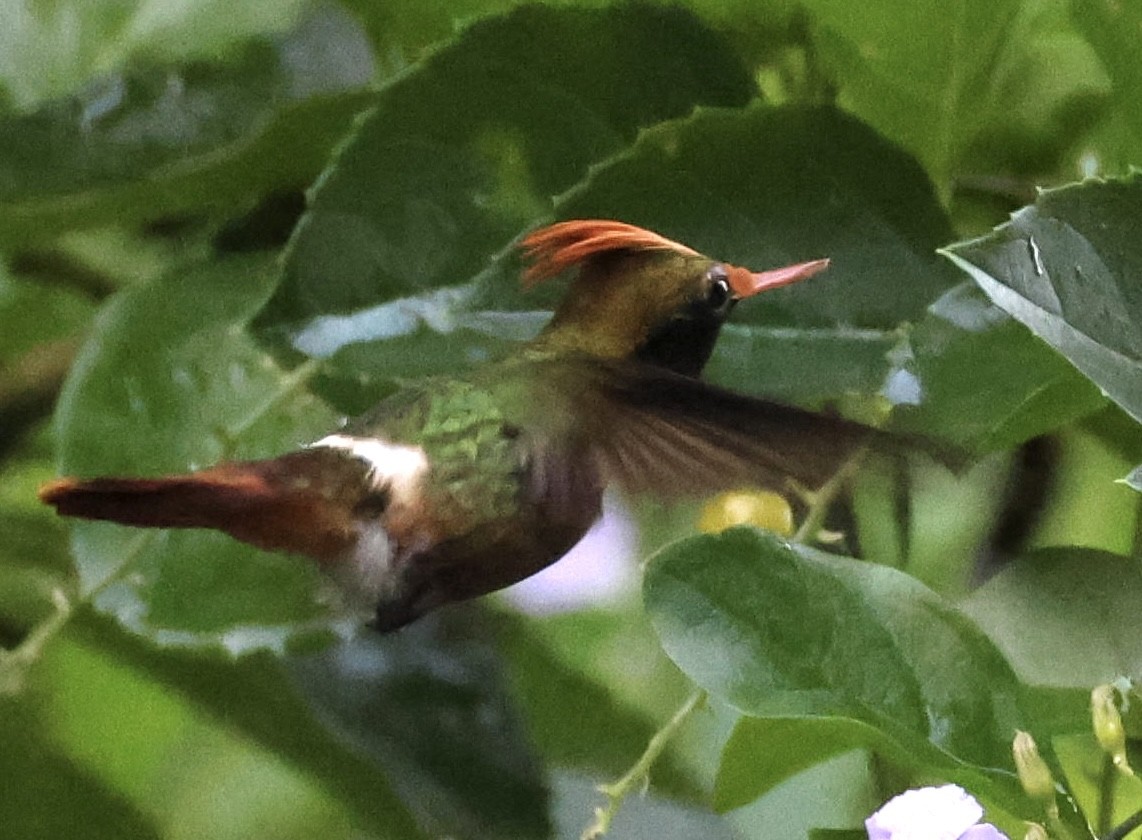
x=640, y=295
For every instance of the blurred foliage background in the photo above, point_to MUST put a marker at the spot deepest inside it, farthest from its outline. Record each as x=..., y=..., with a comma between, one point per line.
x=225, y=226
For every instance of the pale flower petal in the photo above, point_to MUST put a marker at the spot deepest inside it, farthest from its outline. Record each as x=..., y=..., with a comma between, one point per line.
x=931, y=813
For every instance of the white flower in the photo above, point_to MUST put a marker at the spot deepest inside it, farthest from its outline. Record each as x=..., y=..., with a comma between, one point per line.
x=931, y=813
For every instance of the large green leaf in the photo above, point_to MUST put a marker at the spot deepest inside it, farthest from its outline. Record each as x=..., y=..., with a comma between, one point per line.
x=417, y=722
x=804, y=365
x=1046, y=90
x=466, y=149
x=49, y=50
x=1069, y=268
x=974, y=375
x=1111, y=29
x=168, y=382
x=34, y=313
x=181, y=139
x=763, y=752
x=1065, y=617
x=919, y=72
x=404, y=31
x=779, y=630
x=430, y=707
x=141, y=695
x=47, y=796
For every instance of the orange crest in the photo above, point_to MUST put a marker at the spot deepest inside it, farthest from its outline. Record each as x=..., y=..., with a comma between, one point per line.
x=558, y=247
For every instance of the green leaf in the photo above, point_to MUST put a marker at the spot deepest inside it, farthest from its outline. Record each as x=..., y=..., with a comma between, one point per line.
x=169, y=382
x=782, y=631
x=403, y=31
x=1047, y=89
x=1111, y=29
x=763, y=752
x=1083, y=759
x=47, y=795
x=915, y=71
x=429, y=705
x=36, y=313
x=1065, y=617
x=803, y=365
x=973, y=375
x=465, y=150
x=1067, y=268
x=201, y=137
x=48, y=50
x=252, y=698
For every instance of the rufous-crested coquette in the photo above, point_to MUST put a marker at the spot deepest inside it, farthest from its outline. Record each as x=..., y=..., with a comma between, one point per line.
x=459, y=485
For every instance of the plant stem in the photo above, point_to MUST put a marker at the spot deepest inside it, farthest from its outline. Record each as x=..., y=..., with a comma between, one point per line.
x=820, y=500
x=291, y=383
x=639, y=773
x=14, y=663
x=1106, y=795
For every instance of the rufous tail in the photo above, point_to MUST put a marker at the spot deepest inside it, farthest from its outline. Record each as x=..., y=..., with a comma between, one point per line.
x=302, y=502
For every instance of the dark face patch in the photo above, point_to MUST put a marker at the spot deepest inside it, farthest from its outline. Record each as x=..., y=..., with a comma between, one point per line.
x=684, y=343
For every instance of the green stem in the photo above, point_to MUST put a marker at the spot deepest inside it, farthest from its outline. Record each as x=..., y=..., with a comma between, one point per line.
x=639, y=773
x=14, y=664
x=292, y=382
x=820, y=500
x=1106, y=785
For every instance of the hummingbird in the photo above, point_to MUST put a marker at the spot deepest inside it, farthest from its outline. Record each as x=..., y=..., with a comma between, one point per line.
x=456, y=486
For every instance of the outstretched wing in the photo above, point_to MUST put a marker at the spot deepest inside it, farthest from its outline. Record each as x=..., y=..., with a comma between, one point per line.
x=656, y=432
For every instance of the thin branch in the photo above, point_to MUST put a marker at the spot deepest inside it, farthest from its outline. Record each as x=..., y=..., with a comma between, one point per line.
x=14, y=664
x=1106, y=785
x=820, y=500
x=639, y=774
x=292, y=382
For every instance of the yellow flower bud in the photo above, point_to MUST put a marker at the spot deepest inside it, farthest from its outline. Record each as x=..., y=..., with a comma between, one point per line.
x=1036, y=832
x=754, y=507
x=1034, y=774
x=1108, y=728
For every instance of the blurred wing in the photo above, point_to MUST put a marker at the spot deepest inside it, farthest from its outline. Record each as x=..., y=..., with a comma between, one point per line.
x=653, y=431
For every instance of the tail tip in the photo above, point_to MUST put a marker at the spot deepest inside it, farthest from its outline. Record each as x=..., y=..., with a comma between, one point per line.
x=53, y=492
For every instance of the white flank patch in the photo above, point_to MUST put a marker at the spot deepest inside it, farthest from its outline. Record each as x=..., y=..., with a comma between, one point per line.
x=367, y=576
x=398, y=467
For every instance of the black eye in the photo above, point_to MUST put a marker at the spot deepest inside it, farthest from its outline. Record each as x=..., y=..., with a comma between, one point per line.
x=718, y=296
